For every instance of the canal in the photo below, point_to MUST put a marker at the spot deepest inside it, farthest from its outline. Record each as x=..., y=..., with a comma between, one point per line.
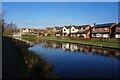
x=79, y=61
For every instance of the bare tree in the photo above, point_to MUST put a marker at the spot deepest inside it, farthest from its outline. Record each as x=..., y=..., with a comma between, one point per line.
x=9, y=29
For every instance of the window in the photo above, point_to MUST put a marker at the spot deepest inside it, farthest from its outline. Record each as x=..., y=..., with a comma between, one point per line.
x=100, y=28
x=106, y=28
x=93, y=35
x=119, y=28
x=64, y=29
x=94, y=28
x=98, y=35
x=73, y=29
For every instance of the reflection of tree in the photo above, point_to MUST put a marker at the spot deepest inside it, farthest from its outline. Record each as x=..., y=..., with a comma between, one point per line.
x=49, y=44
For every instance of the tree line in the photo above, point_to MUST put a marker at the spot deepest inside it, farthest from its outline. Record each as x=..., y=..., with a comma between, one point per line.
x=7, y=28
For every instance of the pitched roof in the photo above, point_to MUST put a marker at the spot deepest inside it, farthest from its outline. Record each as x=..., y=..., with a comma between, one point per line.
x=81, y=26
x=67, y=27
x=83, y=32
x=23, y=28
x=104, y=25
x=58, y=28
x=49, y=28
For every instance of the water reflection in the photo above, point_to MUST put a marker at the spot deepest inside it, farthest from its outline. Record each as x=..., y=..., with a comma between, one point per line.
x=75, y=60
x=83, y=48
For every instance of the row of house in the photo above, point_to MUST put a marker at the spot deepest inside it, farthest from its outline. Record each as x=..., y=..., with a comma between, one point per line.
x=38, y=32
x=108, y=30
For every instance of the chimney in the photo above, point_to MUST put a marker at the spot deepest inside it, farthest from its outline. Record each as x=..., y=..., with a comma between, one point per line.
x=94, y=24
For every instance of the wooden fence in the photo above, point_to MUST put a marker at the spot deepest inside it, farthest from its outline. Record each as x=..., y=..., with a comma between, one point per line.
x=113, y=40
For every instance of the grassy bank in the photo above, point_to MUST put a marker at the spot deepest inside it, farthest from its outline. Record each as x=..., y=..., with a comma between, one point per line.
x=30, y=37
x=96, y=43
x=31, y=65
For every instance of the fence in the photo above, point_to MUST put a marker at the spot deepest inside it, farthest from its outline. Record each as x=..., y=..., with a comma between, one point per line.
x=77, y=38
x=112, y=40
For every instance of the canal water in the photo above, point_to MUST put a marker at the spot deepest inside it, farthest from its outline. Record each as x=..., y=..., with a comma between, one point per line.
x=79, y=61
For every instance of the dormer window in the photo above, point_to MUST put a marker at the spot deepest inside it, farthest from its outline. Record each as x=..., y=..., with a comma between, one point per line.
x=73, y=30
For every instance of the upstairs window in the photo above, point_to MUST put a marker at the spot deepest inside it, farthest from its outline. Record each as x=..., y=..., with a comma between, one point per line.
x=94, y=28
x=119, y=28
x=73, y=30
x=64, y=29
x=106, y=28
x=81, y=28
x=100, y=28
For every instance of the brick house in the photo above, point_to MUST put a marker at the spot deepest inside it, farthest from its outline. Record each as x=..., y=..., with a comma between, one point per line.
x=74, y=30
x=117, y=31
x=66, y=30
x=57, y=31
x=49, y=31
x=58, y=34
x=24, y=31
x=103, y=30
x=82, y=31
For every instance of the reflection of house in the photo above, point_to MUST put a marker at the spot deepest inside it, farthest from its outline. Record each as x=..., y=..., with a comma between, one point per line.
x=73, y=47
x=48, y=44
x=103, y=30
x=106, y=52
x=84, y=49
x=65, y=46
x=56, y=45
x=117, y=31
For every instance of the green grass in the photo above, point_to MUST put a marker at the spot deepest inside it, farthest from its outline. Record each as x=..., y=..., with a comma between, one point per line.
x=106, y=44
x=30, y=37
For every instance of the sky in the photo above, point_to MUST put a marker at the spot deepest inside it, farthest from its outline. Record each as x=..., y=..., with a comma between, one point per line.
x=61, y=0
x=49, y=14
